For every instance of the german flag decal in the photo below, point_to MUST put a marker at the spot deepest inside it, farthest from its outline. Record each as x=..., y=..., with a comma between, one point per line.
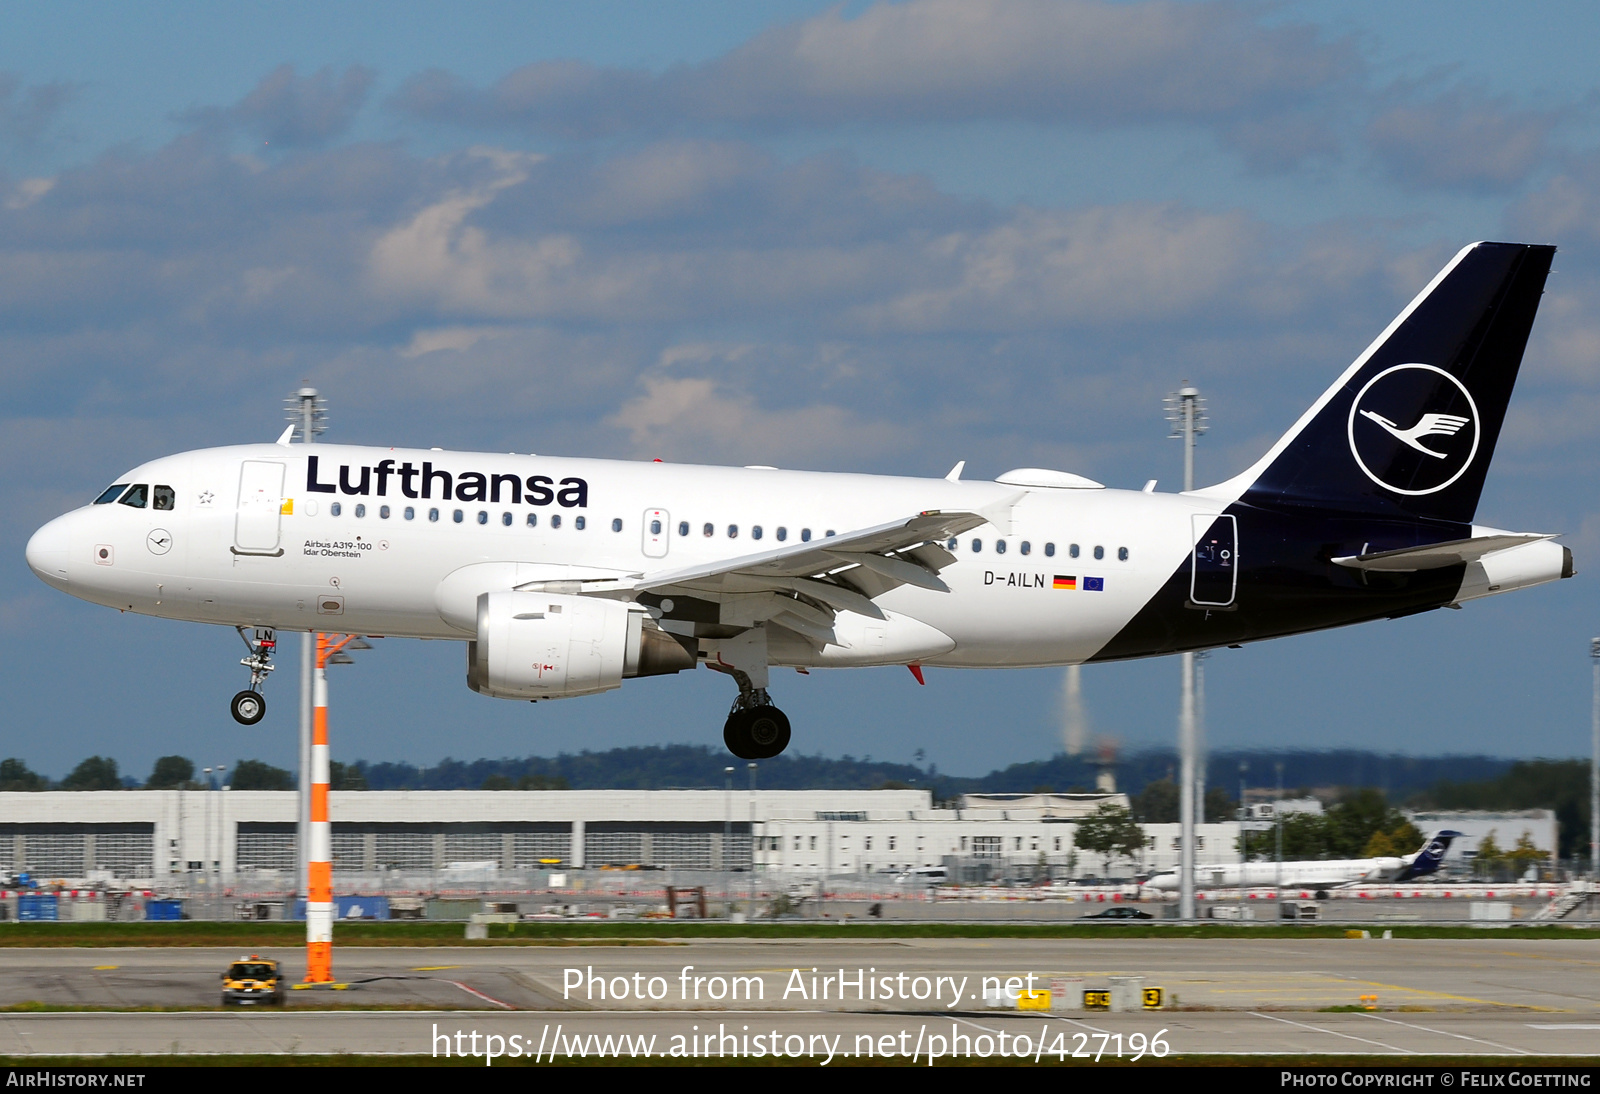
x=1064, y=582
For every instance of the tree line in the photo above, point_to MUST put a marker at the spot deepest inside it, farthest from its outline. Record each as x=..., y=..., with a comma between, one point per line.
x=169, y=773
x=1361, y=825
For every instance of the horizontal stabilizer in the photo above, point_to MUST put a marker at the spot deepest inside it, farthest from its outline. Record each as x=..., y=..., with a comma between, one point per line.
x=1436, y=556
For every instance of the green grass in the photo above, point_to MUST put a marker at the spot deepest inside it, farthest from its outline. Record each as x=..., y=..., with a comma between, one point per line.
x=248, y=935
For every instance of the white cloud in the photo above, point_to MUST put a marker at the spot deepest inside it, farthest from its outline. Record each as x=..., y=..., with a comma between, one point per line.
x=1080, y=61
x=692, y=420
x=1462, y=139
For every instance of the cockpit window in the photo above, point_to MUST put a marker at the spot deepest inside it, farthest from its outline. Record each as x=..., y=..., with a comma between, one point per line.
x=136, y=496
x=164, y=497
x=112, y=494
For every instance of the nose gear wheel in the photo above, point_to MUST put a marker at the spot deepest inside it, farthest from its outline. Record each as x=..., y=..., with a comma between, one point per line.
x=248, y=707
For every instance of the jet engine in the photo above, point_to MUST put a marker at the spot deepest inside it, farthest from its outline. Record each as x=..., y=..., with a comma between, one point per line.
x=553, y=646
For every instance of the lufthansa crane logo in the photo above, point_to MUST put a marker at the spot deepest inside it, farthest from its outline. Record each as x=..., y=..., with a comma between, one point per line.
x=1414, y=429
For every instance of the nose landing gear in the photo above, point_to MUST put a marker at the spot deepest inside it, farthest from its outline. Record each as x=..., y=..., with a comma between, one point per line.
x=250, y=706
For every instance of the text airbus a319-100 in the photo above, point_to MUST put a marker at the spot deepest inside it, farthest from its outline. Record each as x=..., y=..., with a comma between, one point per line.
x=565, y=577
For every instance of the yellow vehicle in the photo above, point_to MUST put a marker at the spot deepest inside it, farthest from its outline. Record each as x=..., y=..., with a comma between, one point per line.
x=252, y=980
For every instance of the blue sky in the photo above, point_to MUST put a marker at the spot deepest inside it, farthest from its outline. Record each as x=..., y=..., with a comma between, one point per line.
x=876, y=237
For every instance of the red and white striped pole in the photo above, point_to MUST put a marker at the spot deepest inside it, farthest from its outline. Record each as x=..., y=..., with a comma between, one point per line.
x=319, y=872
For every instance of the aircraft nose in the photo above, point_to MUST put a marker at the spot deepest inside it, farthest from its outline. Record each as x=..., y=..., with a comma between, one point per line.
x=49, y=550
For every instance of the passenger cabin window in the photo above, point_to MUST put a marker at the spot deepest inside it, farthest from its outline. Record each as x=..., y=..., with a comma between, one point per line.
x=999, y=546
x=433, y=515
x=977, y=545
x=708, y=531
x=411, y=513
x=163, y=498
x=506, y=519
x=1049, y=550
x=112, y=494
x=1073, y=550
x=805, y=535
x=533, y=520
x=782, y=533
x=580, y=523
x=1122, y=554
x=335, y=509
x=733, y=531
x=952, y=543
x=616, y=525
x=483, y=517
x=1099, y=551
x=383, y=512
x=555, y=520
x=458, y=516
x=137, y=496
x=683, y=528
x=361, y=509
x=755, y=531
x=1026, y=548
x=655, y=527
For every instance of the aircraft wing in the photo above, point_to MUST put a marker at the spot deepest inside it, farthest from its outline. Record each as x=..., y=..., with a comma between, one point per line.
x=802, y=585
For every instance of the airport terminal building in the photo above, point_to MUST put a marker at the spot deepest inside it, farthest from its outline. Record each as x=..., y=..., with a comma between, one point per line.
x=433, y=839
x=248, y=838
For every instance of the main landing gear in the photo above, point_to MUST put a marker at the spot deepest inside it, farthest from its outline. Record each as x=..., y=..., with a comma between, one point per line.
x=755, y=729
x=758, y=732
x=250, y=706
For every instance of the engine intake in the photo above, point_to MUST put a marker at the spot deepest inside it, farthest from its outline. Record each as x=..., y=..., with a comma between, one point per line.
x=554, y=646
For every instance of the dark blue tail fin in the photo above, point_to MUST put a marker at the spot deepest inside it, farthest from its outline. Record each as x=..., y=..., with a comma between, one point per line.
x=1427, y=860
x=1410, y=427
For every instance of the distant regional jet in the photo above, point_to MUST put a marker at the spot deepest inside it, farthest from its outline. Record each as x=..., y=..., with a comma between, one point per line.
x=564, y=577
x=1330, y=874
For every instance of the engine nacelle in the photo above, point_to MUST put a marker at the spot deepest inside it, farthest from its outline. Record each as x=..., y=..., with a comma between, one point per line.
x=553, y=646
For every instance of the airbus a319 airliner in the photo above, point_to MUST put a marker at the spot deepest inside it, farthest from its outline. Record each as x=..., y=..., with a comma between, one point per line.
x=565, y=577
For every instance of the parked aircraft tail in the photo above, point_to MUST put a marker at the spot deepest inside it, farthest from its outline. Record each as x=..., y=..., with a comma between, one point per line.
x=1408, y=430
x=1426, y=861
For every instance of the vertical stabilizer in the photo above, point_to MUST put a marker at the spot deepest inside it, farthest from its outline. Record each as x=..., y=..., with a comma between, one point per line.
x=1409, y=429
x=1427, y=860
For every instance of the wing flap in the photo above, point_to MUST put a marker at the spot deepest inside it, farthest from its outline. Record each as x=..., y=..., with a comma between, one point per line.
x=819, y=555
x=803, y=586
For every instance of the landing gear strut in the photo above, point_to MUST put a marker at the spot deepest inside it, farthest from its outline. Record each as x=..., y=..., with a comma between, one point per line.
x=755, y=729
x=250, y=706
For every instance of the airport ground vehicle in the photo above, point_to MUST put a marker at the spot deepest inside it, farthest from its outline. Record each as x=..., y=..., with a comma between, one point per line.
x=253, y=981
x=1121, y=911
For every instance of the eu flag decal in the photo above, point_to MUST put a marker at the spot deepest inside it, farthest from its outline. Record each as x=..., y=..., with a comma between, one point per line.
x=1094, y=584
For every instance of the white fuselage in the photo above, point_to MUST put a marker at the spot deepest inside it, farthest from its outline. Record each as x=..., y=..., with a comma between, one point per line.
x=1294, y=875
x=210, y=558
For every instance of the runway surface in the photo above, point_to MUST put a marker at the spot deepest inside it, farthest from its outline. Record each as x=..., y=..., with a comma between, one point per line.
x=1474, y=996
